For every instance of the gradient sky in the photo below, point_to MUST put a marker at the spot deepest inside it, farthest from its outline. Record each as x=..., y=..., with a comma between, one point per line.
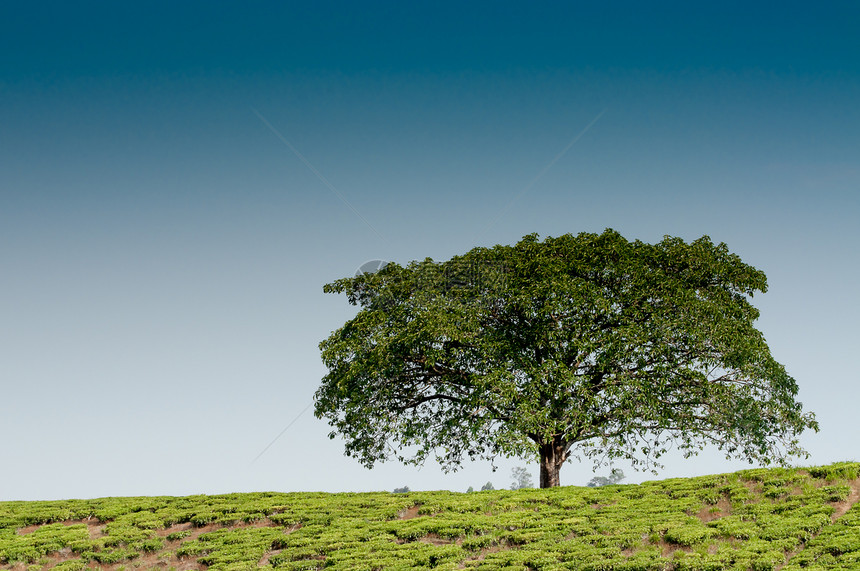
x=163, y=250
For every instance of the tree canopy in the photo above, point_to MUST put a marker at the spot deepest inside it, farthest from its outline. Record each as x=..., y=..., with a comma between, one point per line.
x=614, y=477
x=521, y=478
x=589, y=345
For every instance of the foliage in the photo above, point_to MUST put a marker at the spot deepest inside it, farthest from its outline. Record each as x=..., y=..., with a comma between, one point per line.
x=522, y=479
x=403, y=490
x=586, y=344
x=615, y=477
x=725, y=521
x=488, y=486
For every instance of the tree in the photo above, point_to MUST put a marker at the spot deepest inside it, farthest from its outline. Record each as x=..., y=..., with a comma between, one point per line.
x=614, y=477
x=586, y=345
x=403, y=490
x=522, y=479
x=488, y=486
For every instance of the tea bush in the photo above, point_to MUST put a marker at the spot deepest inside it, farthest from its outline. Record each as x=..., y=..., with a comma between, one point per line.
x=755, y=519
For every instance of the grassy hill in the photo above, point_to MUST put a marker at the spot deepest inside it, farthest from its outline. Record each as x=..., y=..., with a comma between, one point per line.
x=760, y=519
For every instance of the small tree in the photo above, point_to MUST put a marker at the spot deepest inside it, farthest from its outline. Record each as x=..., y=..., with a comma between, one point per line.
x=584, y=344
x=522, y=479
x=614, y=477
x=403, y=490
x=470, y=490
x=487, y=486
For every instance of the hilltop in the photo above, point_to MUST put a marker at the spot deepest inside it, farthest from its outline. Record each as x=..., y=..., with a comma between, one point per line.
x=789, y=519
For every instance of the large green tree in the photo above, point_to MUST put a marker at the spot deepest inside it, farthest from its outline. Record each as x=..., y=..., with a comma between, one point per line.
x=588, y=345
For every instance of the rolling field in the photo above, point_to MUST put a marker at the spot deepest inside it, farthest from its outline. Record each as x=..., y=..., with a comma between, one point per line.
x=761, y=519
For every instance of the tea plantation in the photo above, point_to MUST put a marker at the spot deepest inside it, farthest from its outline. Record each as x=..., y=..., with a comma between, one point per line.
x=790, y=519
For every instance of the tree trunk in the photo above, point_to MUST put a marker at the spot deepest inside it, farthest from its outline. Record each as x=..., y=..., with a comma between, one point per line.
x=552, y=456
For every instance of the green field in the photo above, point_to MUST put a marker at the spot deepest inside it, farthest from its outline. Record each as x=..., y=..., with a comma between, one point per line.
x=788, y=519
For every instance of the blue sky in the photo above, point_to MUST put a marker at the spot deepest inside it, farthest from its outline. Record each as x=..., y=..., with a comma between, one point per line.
x=163, y=251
